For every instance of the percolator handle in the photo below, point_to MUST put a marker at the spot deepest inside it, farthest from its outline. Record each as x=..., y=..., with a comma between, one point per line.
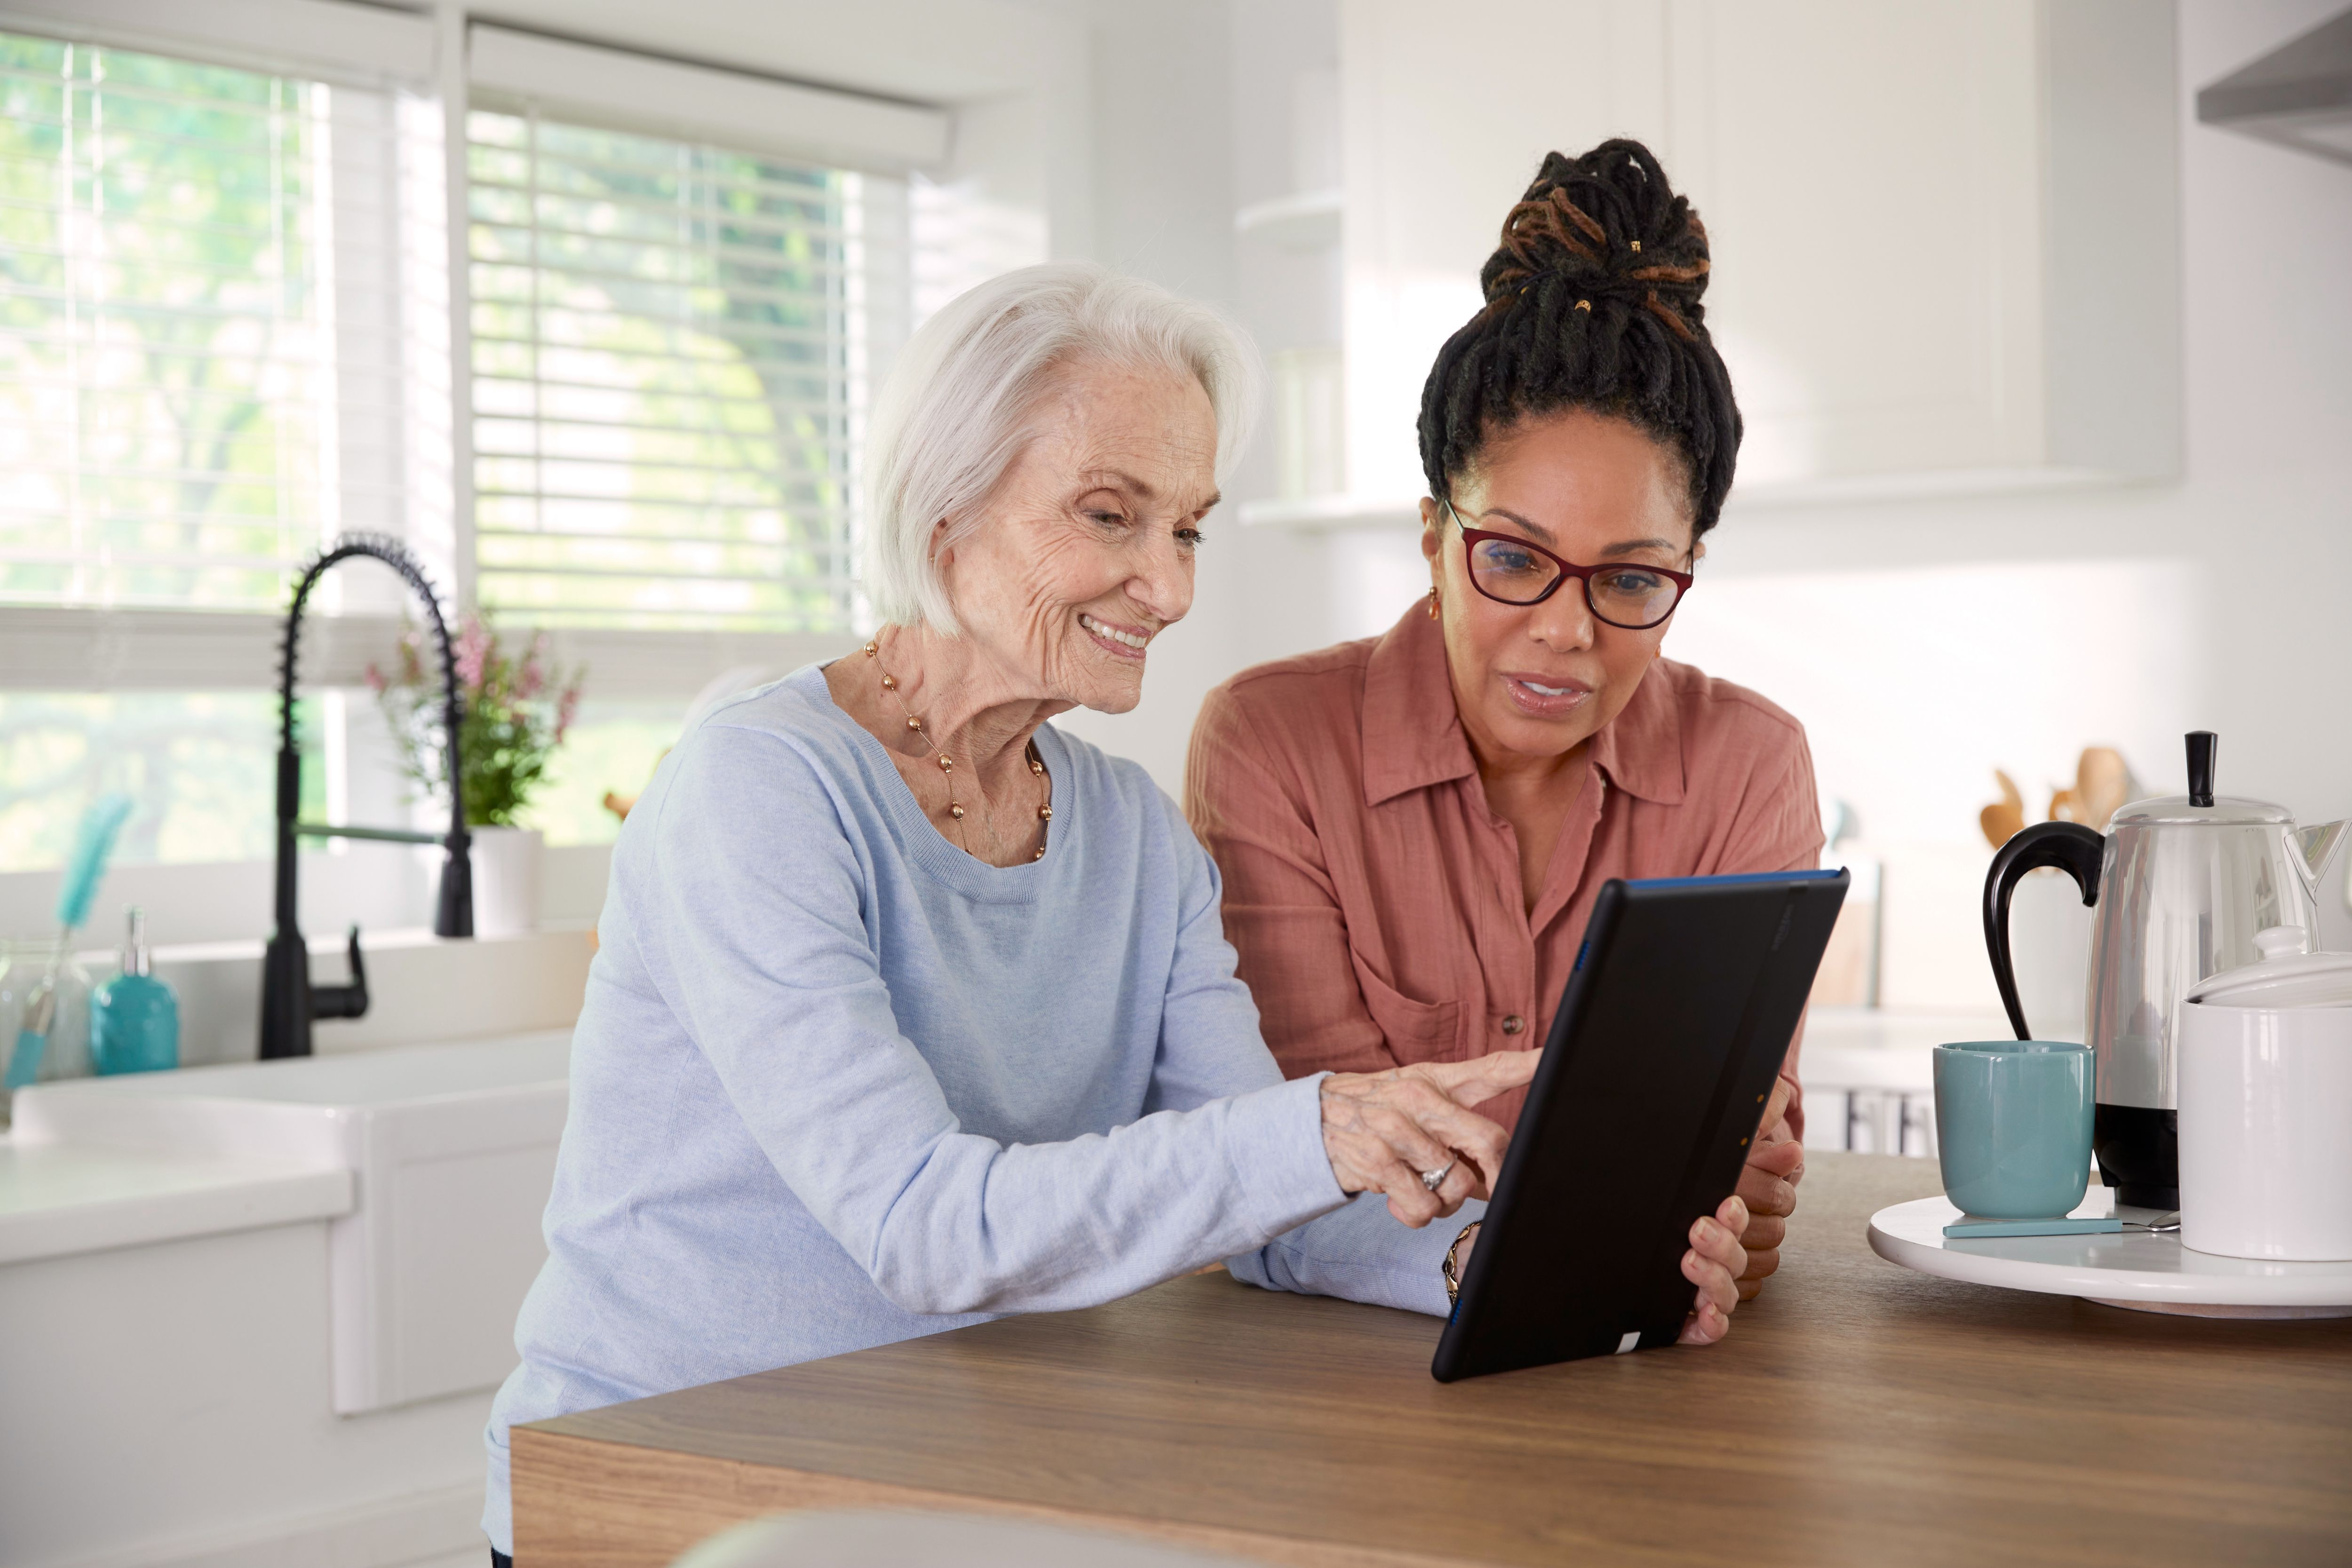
x=2073, y=849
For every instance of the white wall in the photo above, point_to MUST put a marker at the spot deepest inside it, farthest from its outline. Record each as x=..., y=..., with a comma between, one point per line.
x=1925, y=643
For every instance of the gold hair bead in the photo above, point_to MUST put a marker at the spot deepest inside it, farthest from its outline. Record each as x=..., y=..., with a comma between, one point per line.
x=1585, y=306
x=1637, y=248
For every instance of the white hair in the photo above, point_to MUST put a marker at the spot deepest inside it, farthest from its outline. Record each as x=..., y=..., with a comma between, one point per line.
x=954, y=413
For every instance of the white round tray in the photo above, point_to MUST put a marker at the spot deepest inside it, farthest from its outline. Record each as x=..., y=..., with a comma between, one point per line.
x=2151, y=1272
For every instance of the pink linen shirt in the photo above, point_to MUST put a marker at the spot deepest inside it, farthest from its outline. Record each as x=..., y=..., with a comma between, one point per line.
x=1376, y=901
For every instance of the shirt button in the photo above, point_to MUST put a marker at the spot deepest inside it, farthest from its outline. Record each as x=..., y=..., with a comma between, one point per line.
x=1513, y=1024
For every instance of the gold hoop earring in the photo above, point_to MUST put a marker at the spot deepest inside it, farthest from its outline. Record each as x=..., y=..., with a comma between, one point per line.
x=1432, y=604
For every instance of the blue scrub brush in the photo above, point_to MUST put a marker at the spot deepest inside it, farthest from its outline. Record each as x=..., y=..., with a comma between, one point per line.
x=92, y=844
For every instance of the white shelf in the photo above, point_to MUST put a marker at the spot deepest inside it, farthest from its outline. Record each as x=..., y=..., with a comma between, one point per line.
x=1308, y=221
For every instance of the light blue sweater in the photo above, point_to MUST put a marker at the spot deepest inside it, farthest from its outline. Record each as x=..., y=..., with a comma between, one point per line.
x=836, y=1083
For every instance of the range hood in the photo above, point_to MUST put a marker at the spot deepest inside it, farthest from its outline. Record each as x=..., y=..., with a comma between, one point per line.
x=2300, y=94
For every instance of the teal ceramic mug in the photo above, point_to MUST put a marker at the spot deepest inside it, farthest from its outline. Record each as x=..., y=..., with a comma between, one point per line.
x=2013, y=1127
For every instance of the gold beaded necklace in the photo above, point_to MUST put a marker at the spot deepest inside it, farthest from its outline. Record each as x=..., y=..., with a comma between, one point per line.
x=947, y=769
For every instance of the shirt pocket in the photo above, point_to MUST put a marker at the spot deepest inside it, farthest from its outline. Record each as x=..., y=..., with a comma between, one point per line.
x=1416, y=1031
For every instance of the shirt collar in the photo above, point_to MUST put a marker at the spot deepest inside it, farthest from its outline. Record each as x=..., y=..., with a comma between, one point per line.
x=1412, y=734
x=1641, y=750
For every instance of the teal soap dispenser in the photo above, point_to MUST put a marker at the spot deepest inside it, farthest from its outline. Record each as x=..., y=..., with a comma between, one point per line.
x=135, y=1019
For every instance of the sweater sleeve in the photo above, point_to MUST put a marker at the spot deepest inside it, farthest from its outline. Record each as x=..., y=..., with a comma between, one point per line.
x=1362, y=1254
x=1281, y=910
x=753, y=919
x=1209, y=1046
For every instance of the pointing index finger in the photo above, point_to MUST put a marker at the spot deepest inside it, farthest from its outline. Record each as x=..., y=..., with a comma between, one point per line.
x=1482, y=1078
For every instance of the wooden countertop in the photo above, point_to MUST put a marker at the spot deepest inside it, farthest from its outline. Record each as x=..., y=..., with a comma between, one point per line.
x=1858, y=1413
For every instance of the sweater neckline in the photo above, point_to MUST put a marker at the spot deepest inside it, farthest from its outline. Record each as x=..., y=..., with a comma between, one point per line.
x=925, y=844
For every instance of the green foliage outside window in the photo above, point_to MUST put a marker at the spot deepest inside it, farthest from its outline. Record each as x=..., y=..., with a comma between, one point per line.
x=162, y=349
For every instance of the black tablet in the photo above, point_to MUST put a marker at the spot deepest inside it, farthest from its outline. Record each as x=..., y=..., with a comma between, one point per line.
x=1670, y=1033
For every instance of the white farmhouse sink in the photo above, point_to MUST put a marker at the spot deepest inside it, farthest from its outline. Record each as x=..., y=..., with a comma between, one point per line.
x=452, y=1148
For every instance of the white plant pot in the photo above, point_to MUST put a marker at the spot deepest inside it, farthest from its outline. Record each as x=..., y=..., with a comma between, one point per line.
x=506, y=880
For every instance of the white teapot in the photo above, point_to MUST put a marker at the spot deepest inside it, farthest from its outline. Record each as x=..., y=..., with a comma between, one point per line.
x=2265, y=1064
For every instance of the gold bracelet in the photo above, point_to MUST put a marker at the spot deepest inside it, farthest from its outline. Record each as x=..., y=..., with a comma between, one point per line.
x=1452, y=1279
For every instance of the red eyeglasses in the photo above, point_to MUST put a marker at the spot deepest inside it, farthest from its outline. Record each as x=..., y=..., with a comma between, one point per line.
x=1509, y=569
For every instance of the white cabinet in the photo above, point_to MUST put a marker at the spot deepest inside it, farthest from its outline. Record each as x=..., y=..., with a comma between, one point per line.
x=1445, y=113
x=451, y=1149
x=1945, y=230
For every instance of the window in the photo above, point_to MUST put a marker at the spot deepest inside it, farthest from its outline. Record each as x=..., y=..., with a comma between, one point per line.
x=226, y=334
x=217, y=346
x=199, y=765
x=201, y=343
x=673, y=346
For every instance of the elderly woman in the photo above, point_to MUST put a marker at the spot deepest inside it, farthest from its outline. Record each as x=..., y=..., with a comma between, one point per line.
x=911, y=1009
x=1414, y=829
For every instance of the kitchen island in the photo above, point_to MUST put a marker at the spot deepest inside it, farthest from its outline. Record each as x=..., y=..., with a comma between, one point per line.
x=1858, y=1413
x=257, y=1309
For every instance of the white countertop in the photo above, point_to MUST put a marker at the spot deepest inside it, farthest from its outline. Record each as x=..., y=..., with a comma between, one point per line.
x=56, y=1199
x=101, y=1163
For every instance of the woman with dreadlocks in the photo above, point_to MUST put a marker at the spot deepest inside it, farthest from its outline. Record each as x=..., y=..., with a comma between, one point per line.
x=1412, y=829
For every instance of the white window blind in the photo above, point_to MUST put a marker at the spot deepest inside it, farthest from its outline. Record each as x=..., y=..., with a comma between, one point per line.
x=204, y=343
x=673, y=349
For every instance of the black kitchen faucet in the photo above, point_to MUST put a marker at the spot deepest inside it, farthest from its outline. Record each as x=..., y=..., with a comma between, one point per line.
x=288, y=1000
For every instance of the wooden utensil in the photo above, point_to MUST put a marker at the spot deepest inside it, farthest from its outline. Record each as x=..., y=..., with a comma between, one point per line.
x=2103, y=782
x=2006, y=819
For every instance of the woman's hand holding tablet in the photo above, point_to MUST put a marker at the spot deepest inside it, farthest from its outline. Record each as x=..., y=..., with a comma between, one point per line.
x=1768, y=1185
x=1717, y=1263
x=1714, y=1263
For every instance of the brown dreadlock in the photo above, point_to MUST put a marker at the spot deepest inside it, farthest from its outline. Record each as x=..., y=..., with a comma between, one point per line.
x=1592, y=301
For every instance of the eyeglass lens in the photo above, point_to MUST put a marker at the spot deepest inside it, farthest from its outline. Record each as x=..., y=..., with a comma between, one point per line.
x=1629, y=596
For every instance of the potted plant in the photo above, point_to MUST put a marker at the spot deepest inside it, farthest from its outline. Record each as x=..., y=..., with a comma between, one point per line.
x=518, y=711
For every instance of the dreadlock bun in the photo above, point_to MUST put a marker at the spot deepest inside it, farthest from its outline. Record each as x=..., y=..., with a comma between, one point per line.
x=1592, y=301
